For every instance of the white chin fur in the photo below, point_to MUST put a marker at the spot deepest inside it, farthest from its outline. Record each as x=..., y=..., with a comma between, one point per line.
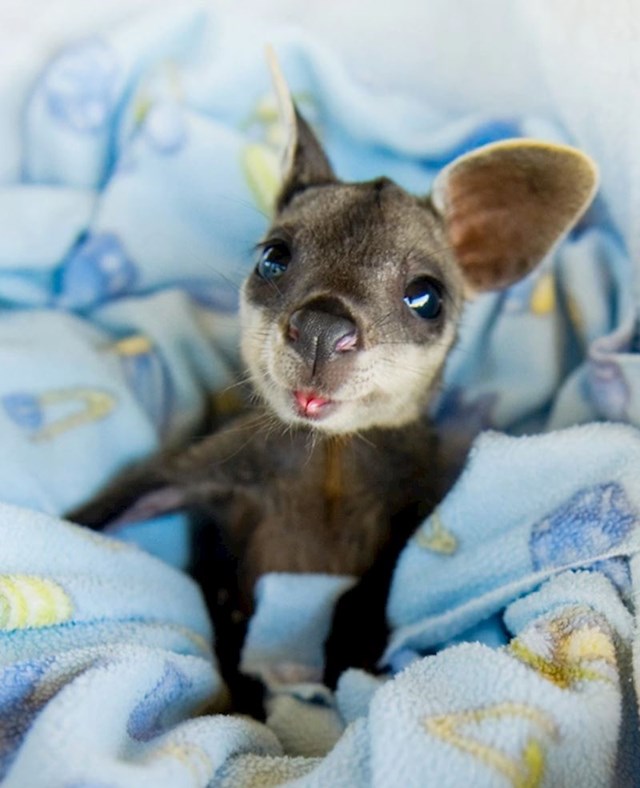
x=384, y=391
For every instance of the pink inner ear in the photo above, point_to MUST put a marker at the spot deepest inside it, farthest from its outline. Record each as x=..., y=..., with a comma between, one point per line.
x=498, y=219
x=505, y=205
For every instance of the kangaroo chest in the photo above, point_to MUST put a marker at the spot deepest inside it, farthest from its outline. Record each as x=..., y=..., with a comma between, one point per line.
x=290, y=502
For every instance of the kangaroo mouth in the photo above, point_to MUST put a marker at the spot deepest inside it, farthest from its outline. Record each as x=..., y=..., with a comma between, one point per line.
x=312, y=406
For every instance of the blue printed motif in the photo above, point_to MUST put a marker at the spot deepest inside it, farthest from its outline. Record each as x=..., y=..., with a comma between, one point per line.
x=80, y=86
x=151, y=716
x=53, y=412
x=151, y=382
x=592, y=522
x=19, y=703
x=24, y=410
x=96, y=271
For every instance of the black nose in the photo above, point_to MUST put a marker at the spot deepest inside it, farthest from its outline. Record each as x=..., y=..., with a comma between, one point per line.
x=322, y=329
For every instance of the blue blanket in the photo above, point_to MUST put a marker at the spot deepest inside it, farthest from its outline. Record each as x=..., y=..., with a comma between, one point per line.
x=149, y=162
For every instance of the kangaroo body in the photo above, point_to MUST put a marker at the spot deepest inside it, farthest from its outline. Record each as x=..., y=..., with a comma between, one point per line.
x=347, y=321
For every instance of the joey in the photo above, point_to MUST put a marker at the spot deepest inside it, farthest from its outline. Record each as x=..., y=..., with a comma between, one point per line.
x=346, y=323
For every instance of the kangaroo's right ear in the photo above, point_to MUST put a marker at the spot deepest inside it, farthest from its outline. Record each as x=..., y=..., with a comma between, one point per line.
x=304, y=162
x=505, y=205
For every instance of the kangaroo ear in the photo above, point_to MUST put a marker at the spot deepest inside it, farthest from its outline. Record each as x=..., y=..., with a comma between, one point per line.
x=506, y=204
x=304, y=162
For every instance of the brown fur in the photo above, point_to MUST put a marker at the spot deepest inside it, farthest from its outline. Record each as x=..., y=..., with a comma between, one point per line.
x=284, y=493
x=287, y=501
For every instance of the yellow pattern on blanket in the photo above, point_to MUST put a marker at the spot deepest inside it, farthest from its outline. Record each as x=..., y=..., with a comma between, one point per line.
x=28, y=601
x=463, y=731
x=572, y=647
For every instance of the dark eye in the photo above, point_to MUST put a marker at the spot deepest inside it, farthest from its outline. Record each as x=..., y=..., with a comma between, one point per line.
x=273, y=262
x=424, y=297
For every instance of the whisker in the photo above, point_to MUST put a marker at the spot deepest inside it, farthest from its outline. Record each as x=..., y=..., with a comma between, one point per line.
x=242, y=381
x=239, y=201
x=236, y=285
x=261, y=421
x=360, y=436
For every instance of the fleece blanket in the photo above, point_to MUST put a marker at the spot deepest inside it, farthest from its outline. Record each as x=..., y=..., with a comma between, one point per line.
x=148, y=160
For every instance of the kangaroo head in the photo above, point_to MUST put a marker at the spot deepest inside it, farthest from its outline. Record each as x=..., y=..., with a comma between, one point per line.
x=354, y=302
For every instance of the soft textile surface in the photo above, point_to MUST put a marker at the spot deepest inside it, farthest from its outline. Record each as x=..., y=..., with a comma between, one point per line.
x=148, y=160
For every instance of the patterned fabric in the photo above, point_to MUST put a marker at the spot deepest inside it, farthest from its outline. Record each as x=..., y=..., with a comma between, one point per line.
x=149, y=161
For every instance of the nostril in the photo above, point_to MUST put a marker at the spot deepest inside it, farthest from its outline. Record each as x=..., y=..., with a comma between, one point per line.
x=293, y=328
x=317, y=335
x=347, y=342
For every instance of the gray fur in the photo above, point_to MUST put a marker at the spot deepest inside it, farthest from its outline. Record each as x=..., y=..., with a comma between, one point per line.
x=330, y=493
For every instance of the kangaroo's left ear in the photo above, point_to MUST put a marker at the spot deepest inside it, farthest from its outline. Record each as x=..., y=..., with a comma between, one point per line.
x=505, y=205
x=304, y=162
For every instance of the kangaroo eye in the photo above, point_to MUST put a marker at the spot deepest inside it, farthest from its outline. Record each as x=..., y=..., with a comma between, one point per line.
x=424, y=297
x=273, y=262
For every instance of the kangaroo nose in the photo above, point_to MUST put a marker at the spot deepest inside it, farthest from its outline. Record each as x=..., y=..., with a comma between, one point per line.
x=322, y=329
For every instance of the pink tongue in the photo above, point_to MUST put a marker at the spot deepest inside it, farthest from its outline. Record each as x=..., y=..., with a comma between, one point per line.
x=309, y=403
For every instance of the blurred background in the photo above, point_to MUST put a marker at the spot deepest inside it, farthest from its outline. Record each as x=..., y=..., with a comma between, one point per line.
x=576, y=60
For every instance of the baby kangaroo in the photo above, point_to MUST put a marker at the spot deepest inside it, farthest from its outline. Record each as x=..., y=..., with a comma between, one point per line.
x=347, y=321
